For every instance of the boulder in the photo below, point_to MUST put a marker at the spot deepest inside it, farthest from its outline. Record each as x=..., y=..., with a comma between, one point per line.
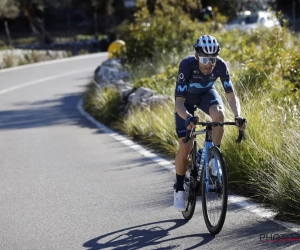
x=111, y=74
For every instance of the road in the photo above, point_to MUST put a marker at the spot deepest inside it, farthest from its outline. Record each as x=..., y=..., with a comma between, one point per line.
x=65, y=183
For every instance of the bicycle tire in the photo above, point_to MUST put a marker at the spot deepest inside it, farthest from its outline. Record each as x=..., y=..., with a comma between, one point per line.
x=214, y=225
x=191, y=193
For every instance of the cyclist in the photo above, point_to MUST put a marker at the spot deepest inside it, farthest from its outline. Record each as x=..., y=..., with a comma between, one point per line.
x=195, y=89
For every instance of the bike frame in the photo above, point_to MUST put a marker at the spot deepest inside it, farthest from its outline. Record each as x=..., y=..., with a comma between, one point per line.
x=205, y=157
x=201, y=182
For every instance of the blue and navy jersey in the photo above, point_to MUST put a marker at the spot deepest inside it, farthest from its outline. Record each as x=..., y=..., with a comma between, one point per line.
x=191, y=82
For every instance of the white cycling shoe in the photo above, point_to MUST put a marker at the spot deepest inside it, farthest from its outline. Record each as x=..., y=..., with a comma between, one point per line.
x=212, y=163
x=179, y=203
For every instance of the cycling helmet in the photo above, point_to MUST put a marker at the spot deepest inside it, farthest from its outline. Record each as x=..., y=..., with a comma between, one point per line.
x=207, y=45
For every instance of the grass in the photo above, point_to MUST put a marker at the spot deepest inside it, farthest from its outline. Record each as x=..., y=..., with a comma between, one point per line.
x=102, y=103
x=78, y=37
x=11, y=58
x=266, y=165
x=153, y=126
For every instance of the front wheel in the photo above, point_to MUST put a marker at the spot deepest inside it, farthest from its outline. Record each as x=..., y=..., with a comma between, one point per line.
x=214, y=191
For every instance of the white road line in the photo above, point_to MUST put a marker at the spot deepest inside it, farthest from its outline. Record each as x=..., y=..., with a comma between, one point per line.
x=44, y=80
x=243, y=202
x=126, y=141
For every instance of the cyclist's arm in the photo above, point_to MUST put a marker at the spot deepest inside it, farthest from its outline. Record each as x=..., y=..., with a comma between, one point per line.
x=182, y=89
x=229, y=90
x=234, y=103
x=180, y=108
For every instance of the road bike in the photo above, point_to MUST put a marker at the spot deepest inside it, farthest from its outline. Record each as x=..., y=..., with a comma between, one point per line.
x=207, y=177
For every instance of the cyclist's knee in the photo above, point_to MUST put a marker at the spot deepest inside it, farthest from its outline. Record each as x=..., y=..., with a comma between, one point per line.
x=217, y=113
x=185, y=148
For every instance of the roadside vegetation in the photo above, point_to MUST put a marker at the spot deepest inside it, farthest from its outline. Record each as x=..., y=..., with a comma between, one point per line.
x=11, y=55
x=265, y=67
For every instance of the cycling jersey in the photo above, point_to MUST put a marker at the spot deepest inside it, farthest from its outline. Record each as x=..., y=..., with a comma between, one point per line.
x=192, y=83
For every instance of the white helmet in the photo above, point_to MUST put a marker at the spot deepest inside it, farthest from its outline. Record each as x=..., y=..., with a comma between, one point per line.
x=207, y=45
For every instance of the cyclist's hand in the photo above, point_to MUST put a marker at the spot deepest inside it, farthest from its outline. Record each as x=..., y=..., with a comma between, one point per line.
x=241, y=122
x=190, y=122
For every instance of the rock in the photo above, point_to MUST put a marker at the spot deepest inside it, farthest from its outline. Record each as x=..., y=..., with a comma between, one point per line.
x=110, y=74
x=107, y=73
x=114, y=63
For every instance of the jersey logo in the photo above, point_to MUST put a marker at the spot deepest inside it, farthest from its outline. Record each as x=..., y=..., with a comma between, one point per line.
x=199, y=86
x=181, y=77
x=181, y=89
x=227, y=84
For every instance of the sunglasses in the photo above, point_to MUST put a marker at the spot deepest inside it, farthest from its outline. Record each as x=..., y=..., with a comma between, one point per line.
x=205, y=60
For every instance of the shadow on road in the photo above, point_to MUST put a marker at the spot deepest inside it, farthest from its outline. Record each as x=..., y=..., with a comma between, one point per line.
x=152, y=235
x=57, y=111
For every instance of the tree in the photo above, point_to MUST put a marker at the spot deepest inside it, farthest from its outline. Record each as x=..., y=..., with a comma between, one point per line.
x=8, y=10
x=34, y=11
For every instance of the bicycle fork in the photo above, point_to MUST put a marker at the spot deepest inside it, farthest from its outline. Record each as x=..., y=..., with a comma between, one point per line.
x=205, y=155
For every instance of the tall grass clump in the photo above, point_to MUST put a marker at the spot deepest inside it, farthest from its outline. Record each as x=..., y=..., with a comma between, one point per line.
x=102, y=103
x=153, y=126
x=266, y=165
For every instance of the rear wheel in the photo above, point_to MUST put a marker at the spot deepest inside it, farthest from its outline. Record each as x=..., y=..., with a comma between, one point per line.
x=215, y=196
x=190, y=197
x=190, y=184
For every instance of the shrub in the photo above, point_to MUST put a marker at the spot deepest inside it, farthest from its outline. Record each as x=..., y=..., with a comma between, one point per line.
x=163, y=83
x=102, y=103
x=168, y=30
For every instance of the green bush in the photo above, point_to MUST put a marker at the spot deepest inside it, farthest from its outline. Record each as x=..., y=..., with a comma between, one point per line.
x=271, y=64
x=163, y=83
x=168, y=30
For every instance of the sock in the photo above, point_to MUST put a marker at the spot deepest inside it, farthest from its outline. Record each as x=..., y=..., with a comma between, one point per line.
x=179, y=182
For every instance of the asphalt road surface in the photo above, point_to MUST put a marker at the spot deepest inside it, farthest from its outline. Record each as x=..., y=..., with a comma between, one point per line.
x=67, y=184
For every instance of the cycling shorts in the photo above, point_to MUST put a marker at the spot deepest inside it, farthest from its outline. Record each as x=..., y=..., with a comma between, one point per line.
x=206, y=100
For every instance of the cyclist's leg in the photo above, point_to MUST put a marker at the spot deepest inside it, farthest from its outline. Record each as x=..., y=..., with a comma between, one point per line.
x=181, y=159
x=213, y=106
